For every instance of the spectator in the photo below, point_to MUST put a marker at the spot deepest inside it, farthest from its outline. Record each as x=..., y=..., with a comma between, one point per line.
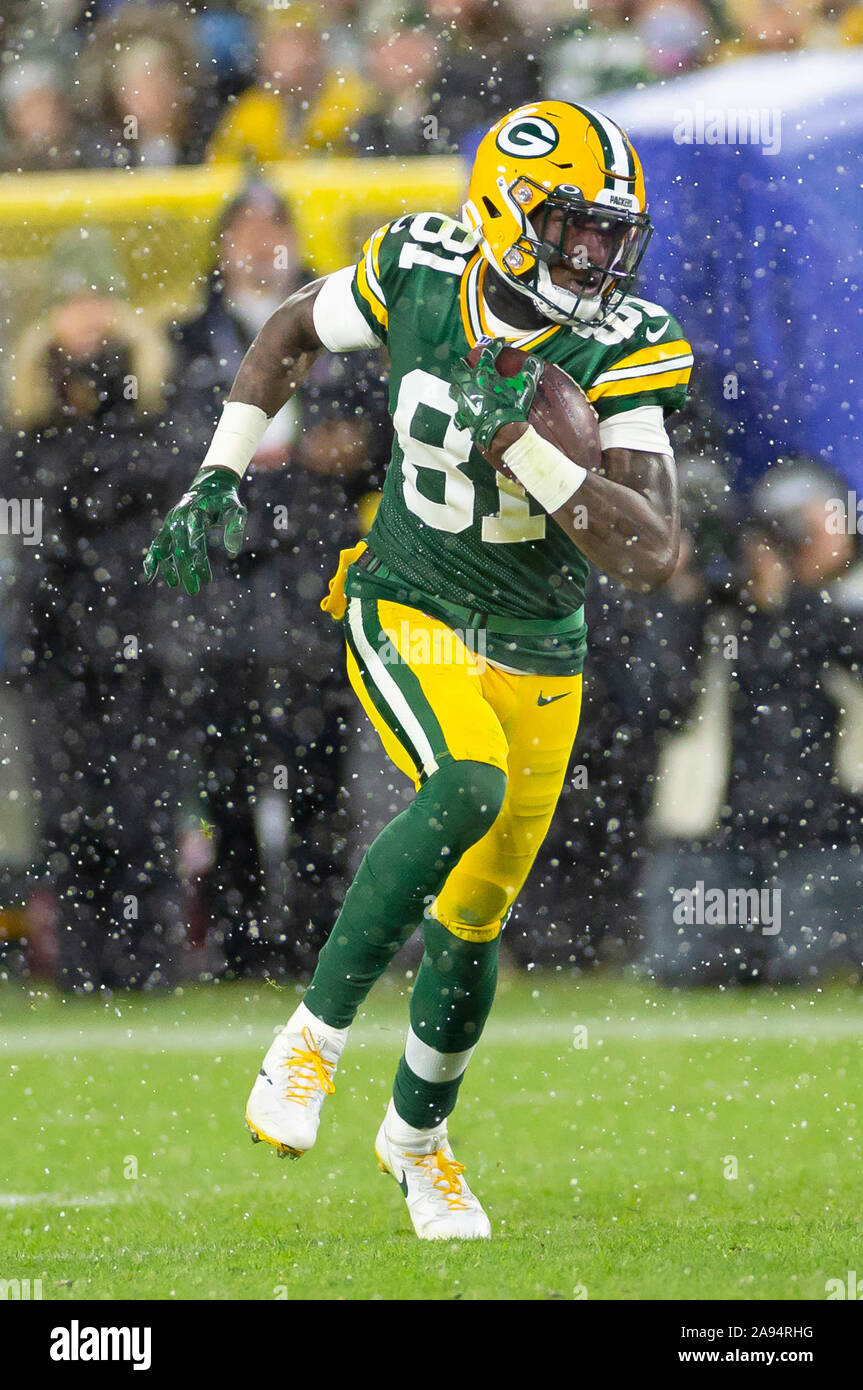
x=269, y=694
x=640, y=683
x=601, y=51
x=257, y=265
x=676, y=35
x=405, y=117
x=143, y=98
x=85, y=440
x=299, y=104
x=346, y=21
x=38, y=129
x=787, y=824
x=485, y=69
x=765, y=26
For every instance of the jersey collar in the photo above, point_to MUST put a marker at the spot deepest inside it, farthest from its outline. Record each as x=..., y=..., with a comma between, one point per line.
x=478, y=321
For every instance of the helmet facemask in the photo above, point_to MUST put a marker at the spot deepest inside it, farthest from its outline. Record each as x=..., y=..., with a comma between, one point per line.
x=551, y=240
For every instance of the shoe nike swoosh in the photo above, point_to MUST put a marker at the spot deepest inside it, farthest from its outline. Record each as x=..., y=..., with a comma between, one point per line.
x=550, y=699
x=653, y=335
x=264, y=1074
x=403, y=1184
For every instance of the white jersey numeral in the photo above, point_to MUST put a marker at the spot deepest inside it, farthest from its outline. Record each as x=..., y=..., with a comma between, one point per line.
x=442, y=236
x=455, y=512
x=511, y=523
x=620, y=325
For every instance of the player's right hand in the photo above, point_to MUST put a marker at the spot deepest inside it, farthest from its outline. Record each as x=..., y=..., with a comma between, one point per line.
x=180, y=549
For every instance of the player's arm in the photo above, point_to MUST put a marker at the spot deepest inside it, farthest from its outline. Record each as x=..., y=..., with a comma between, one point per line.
x=622, y=515
x=322, y=315
x=274, y=367
x=280, y=358
x=625, y=518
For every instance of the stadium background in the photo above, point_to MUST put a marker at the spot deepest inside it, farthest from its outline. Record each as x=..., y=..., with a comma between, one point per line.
x=757, y=253
x=630, y=1140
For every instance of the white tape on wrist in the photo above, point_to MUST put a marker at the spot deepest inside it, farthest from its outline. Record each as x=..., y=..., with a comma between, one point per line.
x=238, y=434
x=543, y=470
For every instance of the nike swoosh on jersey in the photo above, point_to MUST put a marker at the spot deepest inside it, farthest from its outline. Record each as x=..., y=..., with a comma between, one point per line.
x=550, y=699
x=653, y=336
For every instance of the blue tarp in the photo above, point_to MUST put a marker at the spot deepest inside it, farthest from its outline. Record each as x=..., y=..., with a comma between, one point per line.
x=759, y=254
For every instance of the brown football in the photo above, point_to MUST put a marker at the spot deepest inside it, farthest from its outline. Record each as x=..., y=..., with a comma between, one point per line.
x=560, y=412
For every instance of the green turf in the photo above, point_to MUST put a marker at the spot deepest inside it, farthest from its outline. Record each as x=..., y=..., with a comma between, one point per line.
x=602, y=1166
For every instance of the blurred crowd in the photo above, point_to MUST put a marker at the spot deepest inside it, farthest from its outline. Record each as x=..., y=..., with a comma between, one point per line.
x=190, y=761
x=120, y=83
x=189, y=764
x=187, y=757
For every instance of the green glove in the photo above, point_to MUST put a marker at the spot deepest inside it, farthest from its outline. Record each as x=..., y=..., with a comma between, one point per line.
x=486, y=400
x=180, y=549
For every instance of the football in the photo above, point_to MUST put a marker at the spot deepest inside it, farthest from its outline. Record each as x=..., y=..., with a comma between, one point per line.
x=560, y=412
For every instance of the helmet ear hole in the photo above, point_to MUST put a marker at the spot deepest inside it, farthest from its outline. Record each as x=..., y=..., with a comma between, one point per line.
x=490, y=207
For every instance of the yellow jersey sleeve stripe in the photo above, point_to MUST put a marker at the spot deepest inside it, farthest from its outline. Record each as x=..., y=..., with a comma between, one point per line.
x=627, y=386
x=371, y=259
x=646, y=369
x=657, y=352
x=375, y=306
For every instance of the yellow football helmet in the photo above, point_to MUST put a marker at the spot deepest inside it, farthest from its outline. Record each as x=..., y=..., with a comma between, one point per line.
x=574, y=168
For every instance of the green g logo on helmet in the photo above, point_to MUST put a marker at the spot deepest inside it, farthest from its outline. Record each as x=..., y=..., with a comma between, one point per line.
x=530, y=137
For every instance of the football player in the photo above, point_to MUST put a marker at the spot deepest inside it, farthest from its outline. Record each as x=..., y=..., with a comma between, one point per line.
x=463, y=612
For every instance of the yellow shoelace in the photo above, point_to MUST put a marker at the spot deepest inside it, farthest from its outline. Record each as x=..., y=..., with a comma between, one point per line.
x=313, y=1073
x=447, y=1180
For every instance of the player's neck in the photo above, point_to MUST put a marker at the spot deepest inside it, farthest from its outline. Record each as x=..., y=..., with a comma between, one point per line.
x=508, y=305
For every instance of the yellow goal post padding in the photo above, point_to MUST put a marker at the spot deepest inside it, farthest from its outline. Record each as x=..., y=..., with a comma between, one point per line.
x=161, y=222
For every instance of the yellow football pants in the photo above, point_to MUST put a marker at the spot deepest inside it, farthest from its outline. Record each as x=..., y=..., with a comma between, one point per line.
x=431, y=697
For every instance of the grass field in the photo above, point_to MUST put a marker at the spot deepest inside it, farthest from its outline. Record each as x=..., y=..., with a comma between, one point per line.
x=605, y=1167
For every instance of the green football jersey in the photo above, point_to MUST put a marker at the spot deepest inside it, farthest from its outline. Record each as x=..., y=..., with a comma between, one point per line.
x=453, y=536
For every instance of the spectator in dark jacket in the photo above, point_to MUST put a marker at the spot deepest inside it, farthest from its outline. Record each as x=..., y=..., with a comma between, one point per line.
x=145, y=98
x=638, y=685
x=485, y=66
x=268, y=666
x=406, y=116
x=85, y=438
x=641, y=680
x=788, y=828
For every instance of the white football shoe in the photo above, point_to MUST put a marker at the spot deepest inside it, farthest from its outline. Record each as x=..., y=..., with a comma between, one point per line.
x=441, y=1205
x=296, y=1076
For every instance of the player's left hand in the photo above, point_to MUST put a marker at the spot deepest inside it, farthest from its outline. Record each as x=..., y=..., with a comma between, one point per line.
x=486, y=400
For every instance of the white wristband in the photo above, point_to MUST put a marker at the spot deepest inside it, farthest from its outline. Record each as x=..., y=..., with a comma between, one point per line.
x=543, y=470
x=238, y=434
